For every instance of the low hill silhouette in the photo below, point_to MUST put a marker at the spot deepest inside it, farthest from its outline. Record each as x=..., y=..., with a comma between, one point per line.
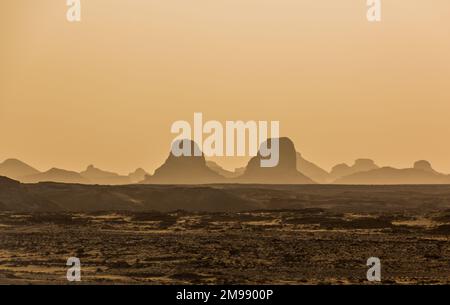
x=184, y=169
x=97, y=176
x=223, y=172
x=16, y=169
x=284, y=173
x=312, y=171
x=56, y=175
x=137, y=176
x=421, y=173
x=360, y=165
x=425, y=166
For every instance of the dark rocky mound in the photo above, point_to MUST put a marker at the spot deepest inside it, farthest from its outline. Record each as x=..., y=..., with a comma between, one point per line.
x=284, y=173
x=14, y=196
x=184, y=169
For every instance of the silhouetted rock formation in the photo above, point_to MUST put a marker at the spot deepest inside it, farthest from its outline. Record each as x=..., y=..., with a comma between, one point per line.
x=422, y=173
x=137, y=176
x=56, y=175
x=312, y=171
x=284, y=173
x=361, y=165
x=291, y=169
x=425, y=166
x=223, y=172
x=16, y=169
x=98, y=176
x=184, y=169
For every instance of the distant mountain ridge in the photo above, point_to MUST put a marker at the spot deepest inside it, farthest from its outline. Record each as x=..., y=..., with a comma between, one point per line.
x=293, y=168
x=18, y=170
x=421, y=173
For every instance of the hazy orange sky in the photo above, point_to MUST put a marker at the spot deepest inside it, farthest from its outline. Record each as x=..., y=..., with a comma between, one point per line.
x=106, y=91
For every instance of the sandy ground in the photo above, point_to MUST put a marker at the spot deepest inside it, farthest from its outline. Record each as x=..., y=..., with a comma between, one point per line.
x=306, y=246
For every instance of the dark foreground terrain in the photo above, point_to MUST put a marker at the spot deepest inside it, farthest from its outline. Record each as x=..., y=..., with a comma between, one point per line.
x=221, y=234
x=310, y=245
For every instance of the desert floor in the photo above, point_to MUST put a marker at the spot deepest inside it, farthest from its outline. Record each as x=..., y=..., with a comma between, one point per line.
x=303, y=246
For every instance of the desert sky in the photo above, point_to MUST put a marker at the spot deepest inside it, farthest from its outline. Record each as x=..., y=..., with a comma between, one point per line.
x=105, y=91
